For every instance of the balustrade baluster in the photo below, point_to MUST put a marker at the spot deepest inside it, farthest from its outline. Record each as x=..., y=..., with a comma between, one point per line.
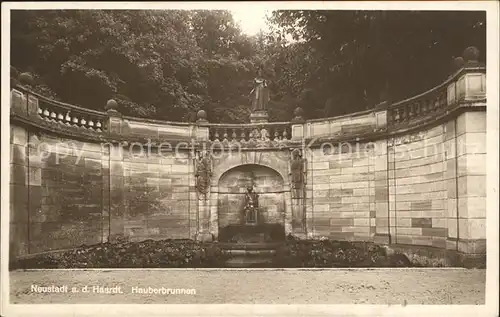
x=443, y=100
x=67, y=118
x=410, y=111
x=233, y=135
x=397, y=115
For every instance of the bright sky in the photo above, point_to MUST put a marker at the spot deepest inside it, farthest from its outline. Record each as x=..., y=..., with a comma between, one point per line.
x=251, y=19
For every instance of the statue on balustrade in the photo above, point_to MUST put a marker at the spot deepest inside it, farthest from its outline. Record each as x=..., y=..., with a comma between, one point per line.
x=259, y=94
x=251, y=206
x=203, y=172
x=298, y=170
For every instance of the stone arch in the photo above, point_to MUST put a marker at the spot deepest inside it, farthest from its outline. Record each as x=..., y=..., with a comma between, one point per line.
x=230, y=189
x=273, y=160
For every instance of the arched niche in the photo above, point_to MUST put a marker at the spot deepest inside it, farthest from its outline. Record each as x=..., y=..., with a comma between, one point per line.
x=267, y=183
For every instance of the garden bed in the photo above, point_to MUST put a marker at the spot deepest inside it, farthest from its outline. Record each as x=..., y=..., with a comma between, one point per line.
x=191, y=254
x=331, y=253
x=144, y=254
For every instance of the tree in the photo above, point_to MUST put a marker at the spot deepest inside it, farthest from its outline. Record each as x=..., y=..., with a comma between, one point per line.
x=168, y=64
x=363, y=53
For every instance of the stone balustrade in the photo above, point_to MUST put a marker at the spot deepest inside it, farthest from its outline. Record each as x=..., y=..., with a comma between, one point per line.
x=467, y=84
x=55, y=112
x=270, y=134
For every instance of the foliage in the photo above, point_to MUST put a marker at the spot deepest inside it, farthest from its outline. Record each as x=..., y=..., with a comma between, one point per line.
x=144, y=254
x=354, y=57
x=187, y=253
x=162, y=64
x=168, y=64
x=330, y=253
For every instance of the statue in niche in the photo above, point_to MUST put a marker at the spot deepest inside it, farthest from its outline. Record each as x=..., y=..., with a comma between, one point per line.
x=251, y=206
x=297, y=170
x=203, y=172
x=260, y=93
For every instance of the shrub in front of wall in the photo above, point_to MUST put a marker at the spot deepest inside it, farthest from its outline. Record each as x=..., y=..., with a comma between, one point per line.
x=144, y=254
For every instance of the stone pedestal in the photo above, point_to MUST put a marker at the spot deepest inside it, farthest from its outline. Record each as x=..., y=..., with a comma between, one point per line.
x=259, y=117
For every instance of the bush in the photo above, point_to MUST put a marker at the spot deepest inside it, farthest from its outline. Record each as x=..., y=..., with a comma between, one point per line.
x=144, y=254
x=329, y=253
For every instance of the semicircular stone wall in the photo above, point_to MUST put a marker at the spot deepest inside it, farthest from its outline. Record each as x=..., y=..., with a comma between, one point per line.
x=407, y=173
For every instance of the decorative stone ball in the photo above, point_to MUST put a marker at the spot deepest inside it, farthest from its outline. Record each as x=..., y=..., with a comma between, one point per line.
x=111, y=105
x=201, y=115
x=298, y=112
x=471, y=54
x=458, y=62
x=26, y=79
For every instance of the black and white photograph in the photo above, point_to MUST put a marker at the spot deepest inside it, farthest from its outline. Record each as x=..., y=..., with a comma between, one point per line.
x=250, y=158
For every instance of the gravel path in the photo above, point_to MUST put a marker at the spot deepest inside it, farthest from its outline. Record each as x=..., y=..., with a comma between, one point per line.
x=337, y=286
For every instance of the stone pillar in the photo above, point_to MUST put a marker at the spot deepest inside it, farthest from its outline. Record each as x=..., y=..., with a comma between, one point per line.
x=37, y=190
x=381, y=116
x=19, y=192
x=205, y=224
x=213, y=217
x=471, y=182
x=289, y=211
x=116, y=182
x=385, y=204
x=471, y=163
x=201, y=130
x=298, y=129
x=18, y=103
x=106, y=203
x=308, y=199
x=115, y=121
x=450, y=178
x=193, y=198
x=205, y=201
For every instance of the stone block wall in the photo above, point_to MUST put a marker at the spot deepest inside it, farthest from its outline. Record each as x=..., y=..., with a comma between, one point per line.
x=425, y=188
x=56, y=193
x=418, y=194
x=342, y=191
x=158, y=199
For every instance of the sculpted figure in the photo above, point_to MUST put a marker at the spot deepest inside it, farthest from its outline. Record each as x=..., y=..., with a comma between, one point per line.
x=203, y=172
x=251, y=206
x=297, y=170
x=259, y=94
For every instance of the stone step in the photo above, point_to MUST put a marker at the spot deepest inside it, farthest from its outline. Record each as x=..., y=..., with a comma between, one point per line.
x=250, y=246
x=250, y=261
x=264, y=252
